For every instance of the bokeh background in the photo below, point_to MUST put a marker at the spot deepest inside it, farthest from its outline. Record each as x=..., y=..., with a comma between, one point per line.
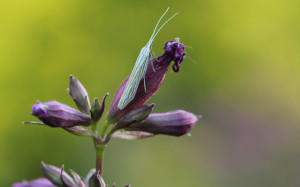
x=241, y=73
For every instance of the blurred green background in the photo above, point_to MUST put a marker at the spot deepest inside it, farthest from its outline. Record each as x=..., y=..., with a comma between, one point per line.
x=241, y=74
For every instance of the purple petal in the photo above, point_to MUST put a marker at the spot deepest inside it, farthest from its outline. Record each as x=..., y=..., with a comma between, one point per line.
x=41, y=182
x=174, y=123
x=39, y=110
x=56, y=114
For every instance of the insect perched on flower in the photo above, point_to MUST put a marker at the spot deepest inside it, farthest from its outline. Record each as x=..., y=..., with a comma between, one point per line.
x=140, y=68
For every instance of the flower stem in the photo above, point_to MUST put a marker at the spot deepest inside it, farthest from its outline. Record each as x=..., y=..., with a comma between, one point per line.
x=100, y=146
x=106, y=125
x=99, y=158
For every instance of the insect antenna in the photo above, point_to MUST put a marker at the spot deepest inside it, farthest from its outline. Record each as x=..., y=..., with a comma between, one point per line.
x=158, y=22
x=152, y=37
x=155, y=33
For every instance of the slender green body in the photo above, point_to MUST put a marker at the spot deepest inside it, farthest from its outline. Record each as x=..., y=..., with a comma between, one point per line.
x=140, y=68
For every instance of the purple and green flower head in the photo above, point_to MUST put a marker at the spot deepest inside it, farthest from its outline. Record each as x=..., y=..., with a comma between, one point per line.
x=135, y=121
x=174, y=51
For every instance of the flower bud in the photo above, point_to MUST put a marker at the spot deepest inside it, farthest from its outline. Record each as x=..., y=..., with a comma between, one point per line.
x=174, y=51
x=96, y=180
x=97, y=109
x=79, y=181
x=57, y=176
x=89, y=175
x=79, y=95
x=55, y=114
x=174, y=123
x=139, y=114
x=41, y=182
x=135, y=116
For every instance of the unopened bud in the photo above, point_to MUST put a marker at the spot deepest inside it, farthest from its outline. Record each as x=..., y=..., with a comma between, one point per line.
x=96, y=180
x=174, y=123
x=56, y=114
x=57, y=176
x=79, y=95
x=135, y=116
x=97, y=109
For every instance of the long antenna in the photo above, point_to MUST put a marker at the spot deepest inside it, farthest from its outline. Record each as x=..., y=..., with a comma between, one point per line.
x=164, y=25
x=158, y=22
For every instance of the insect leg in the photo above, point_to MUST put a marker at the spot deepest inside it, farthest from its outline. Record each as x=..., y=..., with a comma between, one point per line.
x=153, y=54
x=152, y=61
x=145, y=83
x=146, y=65
x=156, y=60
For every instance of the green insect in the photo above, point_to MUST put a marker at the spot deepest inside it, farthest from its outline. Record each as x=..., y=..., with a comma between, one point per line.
x=140, y=68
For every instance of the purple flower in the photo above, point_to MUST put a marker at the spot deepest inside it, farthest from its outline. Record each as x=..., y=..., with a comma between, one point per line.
x=41, y=182
x=174, y=123
x=174, y=51
x=55, y=114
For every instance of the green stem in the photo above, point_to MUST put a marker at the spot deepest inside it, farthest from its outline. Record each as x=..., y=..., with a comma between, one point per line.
x=106, y=125
x=100, y=146
x=99, y=158
x=94, y=127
